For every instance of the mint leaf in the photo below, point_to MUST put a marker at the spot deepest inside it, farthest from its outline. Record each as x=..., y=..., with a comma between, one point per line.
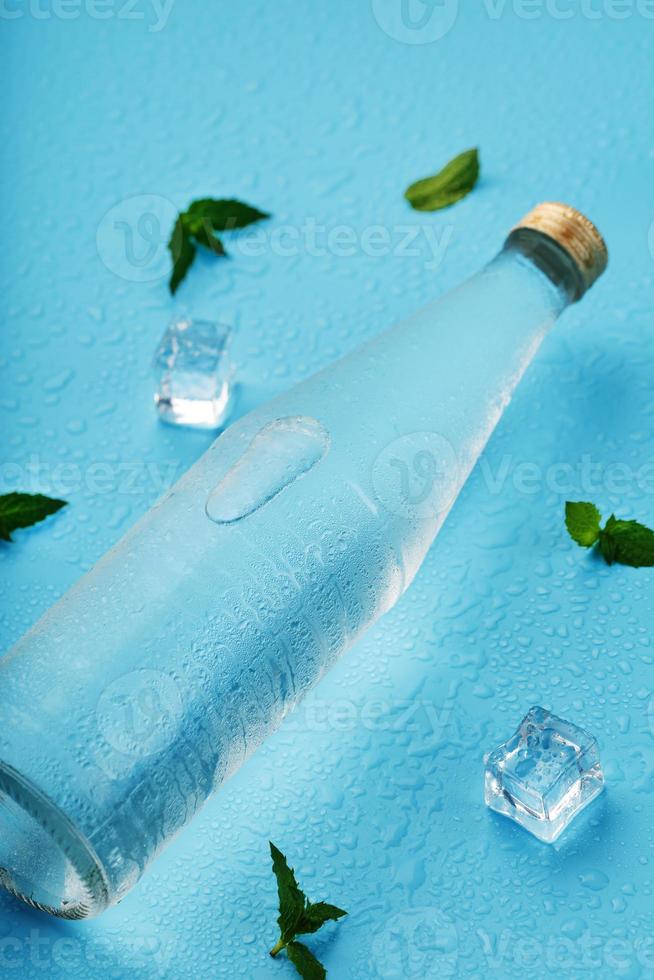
x=204, y=236
x=606, y=547
x=25, y=509
x=624, y=542
x=449, y=185
x=583, y=522
x=315, y=916
x=226, y=214
x=292, y=899
x=305, y=962
x=196, y=225
x=628, y=543
x=298, y=916
x=183, y=252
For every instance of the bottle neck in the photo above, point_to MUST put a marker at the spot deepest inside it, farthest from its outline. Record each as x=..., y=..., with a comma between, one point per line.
x=551, y=261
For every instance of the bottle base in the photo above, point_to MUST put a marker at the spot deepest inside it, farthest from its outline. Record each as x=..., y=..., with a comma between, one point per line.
x=44, y=861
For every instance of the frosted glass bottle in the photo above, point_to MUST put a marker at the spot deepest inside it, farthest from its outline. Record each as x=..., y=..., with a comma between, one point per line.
x=155, y=676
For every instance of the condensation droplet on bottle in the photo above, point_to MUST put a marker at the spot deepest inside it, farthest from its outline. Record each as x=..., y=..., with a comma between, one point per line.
x=280, y=453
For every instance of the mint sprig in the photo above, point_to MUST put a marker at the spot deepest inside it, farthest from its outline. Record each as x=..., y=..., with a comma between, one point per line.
x=298, y=916
x=198, y=226
x=624, y=542
x=23, y=510
x=449, y=185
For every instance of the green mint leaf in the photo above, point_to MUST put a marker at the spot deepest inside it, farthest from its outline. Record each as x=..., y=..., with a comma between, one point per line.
x=226, y=214
x=606, y=547
x=583, y=522
x=305, y=962
x=24, y=510
x=449, y=185
x=298, y=916
x=182, y=251
x=316, y=914
x=204, y=236
x=292, y=900
x=197, y=224
x=627, y=543
x=624, y=542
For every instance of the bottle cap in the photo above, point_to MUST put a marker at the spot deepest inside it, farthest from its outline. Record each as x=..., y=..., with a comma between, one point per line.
x=574, y=233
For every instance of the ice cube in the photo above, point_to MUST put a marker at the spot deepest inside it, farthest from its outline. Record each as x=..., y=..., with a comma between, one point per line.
x=544, y=775
x=194, y=374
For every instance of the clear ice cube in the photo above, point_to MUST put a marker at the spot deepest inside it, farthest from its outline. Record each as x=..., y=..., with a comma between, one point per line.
x=544, y=775
x=194, y=374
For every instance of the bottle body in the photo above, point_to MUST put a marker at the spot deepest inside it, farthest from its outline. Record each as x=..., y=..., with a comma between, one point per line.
x=164, y=667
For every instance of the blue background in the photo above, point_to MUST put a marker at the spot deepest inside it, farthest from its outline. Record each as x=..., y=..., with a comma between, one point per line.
x=324, y=113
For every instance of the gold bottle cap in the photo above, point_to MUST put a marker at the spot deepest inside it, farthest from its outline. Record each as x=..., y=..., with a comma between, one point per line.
x=575, y=234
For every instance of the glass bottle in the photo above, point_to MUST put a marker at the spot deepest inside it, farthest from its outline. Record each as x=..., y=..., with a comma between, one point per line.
x=162, y=669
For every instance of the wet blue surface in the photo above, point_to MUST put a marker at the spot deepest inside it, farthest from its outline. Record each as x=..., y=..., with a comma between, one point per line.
x=322, y=114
